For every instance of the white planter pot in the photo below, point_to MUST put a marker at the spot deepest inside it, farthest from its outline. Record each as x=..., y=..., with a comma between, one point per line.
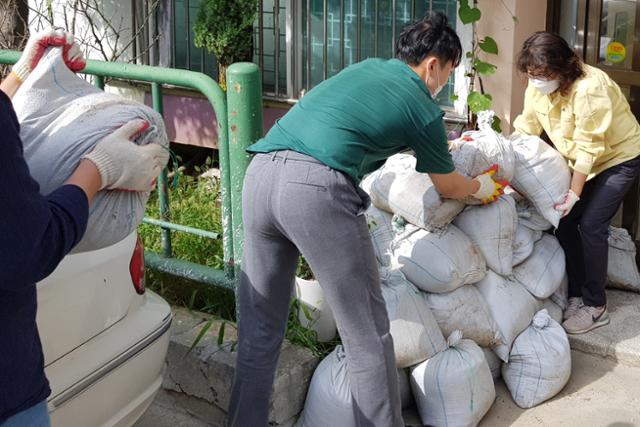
x=310, y=294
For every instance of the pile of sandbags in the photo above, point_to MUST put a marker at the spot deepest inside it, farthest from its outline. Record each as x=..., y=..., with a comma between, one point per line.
x=490, y=278
x=483, y=271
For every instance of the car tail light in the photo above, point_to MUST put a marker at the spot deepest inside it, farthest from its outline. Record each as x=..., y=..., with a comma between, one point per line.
x=136, y=267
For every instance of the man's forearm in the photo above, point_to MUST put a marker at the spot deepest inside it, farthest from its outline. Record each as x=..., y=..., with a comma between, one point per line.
x=10, y=85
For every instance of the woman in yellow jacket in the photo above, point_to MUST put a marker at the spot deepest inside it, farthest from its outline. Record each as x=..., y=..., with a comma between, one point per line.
x=590, y=123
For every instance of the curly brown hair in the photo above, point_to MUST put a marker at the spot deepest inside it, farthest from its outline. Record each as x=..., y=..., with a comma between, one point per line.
x=548, y=55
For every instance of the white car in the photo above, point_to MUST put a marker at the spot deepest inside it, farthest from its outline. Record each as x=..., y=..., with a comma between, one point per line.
x=105, y=338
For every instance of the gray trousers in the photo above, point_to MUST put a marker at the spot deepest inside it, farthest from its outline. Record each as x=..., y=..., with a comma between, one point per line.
x=294, y=204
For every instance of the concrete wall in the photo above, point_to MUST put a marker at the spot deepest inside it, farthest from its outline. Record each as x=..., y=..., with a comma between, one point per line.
x=507, y=86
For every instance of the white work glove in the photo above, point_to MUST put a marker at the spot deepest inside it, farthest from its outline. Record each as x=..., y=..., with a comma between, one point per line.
x=570, y=199
x=124, y=165
x=489, y=190
x=38, y=44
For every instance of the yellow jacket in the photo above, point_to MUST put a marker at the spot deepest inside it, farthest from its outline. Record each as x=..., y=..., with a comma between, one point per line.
x=592, y=127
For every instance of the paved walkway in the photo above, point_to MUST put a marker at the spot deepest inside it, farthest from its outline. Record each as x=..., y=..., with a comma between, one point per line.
x=604, y=389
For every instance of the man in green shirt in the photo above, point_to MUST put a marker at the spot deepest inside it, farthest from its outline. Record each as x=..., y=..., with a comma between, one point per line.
x=301, y=196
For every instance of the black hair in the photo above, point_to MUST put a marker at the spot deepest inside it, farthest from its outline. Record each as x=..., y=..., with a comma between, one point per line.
x=548, y=55
x=431, y=35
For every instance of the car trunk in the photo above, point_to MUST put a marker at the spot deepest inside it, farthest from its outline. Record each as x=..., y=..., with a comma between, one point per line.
x=85, y=295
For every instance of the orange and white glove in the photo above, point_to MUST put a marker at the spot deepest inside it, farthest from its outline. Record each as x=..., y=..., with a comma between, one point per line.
x=490, y=189
x=124, y=165
x=570, y=199
x=38, y=43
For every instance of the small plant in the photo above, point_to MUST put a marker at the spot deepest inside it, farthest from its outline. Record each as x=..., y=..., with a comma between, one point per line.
x=225, y=29
x=304, y=271
x=299, y=335
x=479, y=100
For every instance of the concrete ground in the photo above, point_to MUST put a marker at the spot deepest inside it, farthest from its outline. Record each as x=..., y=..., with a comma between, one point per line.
x=600, y=393
x=604, y=389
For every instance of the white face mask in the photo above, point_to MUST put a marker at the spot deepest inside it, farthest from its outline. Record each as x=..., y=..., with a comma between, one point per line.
x=545, y=86
x=439, y=88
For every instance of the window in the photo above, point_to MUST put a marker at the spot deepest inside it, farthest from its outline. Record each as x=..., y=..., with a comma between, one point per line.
x=300, y=43
x=185, y=54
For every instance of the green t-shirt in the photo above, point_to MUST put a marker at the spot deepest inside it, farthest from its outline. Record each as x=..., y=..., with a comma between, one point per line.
x=355, y=120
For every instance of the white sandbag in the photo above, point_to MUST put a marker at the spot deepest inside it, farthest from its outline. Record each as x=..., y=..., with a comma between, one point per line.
x=62, y=117
x=314, y=312
x=367, y=181
x=477, y=151
x=465, y=310
x=511, y=306
x=554, y=310
x=381, y=232
x=540, y=362
x=399, y=189
x=329, y=401
x=415, y=332
x=491, y=229
x=404, y=384
x=622, y=270
x=529, y=216
x=541, y=175
x=543, y=271
x=438, y=261
x=494, y=362
x=523, y=241
x=561, y=295
x=455, y=387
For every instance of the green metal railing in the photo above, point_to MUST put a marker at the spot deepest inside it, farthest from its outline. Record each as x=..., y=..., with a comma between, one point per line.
x=239, y=115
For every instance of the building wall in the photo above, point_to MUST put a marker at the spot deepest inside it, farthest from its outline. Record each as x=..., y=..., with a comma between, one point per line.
x=507, y=86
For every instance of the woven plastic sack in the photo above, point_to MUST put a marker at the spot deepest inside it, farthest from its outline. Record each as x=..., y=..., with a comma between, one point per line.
x=381, y=232
x=523, y=242
x=329, y=401
x=554, y=310
x=543, y=271
x=455, y=387
x=398, y=188
x=62, y=117
x=529, y=217
x=494, y=362
x=477, y=151
x=561, y=295
x=511, y=306
x=416, y=335
x=465, y=310
x=541, y=175
x=438, y=261
x=540, y=362
x=622, y=270
x=491, y=228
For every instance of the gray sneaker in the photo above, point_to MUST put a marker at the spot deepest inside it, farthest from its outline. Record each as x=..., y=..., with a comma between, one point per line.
x=574, y=304
x=586, y=319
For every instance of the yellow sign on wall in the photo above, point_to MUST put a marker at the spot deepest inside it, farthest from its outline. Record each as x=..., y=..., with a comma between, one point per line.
x=616, y=52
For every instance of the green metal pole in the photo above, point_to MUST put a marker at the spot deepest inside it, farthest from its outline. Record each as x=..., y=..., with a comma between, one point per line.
x=244, y=101
x=98, y=81
x=163, y=191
